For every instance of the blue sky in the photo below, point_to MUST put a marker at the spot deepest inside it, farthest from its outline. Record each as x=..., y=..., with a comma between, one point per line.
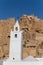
x=16, y=8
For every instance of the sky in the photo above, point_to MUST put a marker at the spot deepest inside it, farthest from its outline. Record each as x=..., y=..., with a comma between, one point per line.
x=16, y=8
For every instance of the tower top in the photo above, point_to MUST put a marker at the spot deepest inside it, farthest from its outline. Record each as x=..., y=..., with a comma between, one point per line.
x=17, y=26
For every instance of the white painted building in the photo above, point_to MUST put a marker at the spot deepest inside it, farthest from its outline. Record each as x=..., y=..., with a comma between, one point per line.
x=16, y=43
x=15, y=50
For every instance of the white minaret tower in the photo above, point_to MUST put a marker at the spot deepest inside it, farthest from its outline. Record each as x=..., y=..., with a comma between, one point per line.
x=16, y=43
x=15, y=51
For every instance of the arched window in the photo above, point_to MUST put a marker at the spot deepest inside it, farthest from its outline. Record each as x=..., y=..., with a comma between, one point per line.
x=16, y=28
x=15, y=35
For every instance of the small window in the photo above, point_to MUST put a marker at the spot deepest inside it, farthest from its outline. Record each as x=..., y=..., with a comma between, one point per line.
x=13, y=58
x=16, y=28
x=15, y=35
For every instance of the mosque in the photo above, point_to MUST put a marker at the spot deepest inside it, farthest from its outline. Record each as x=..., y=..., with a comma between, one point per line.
x=15, y=50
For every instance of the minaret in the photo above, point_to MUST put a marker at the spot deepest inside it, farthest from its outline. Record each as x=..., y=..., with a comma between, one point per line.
x=16, y=43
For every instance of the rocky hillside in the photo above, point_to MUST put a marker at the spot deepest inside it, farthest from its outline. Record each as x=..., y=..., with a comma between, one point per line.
x=32, y=36
x=5, y=27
